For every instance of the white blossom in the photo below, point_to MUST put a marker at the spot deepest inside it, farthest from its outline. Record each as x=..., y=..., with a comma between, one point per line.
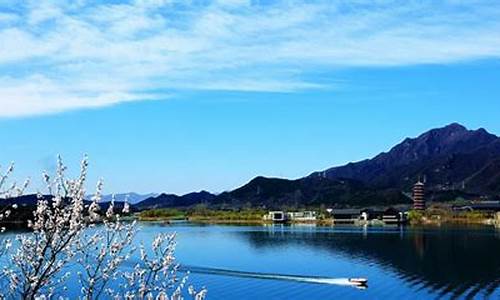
x=62, y=234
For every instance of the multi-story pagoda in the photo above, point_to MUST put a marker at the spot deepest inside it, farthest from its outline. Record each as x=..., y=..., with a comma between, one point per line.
x=419, y=196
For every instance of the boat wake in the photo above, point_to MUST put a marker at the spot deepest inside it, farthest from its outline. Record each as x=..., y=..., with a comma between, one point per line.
x=357, y=283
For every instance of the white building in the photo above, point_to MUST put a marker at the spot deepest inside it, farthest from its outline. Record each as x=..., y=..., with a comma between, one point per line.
x=276, y=216
x=302, y=216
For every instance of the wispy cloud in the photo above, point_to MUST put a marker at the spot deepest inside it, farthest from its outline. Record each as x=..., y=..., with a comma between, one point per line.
x=58, y=55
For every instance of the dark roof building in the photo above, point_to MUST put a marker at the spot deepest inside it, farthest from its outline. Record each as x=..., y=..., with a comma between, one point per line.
x=484, y=206
x=346, y=216
x=393, y=216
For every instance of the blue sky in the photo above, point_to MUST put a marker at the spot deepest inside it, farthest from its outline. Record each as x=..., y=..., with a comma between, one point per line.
x=182, y=96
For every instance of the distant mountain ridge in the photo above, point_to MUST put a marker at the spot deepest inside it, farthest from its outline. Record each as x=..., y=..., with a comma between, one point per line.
x=307, y=192
x=26, y=204
x=132, y=198
x=452, y=160
x=448, y=158
x=171, y=200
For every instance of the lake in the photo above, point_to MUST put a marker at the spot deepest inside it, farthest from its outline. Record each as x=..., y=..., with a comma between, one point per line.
x=400, y=263
x=284, y=262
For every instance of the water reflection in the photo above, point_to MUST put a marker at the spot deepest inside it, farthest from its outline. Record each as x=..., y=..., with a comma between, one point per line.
x=454, y=261
x=411, y=263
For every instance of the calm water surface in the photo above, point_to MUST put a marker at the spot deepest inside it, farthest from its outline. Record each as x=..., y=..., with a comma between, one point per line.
x=400, y=263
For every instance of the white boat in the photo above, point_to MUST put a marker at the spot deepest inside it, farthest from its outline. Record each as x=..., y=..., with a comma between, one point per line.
x=358, y=281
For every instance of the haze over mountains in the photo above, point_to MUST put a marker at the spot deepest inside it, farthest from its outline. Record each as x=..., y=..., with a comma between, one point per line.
x=452, y=161
x=132, y=198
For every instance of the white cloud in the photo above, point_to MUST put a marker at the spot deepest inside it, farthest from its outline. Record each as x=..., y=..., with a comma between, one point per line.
x=37, y=94
x=7, y=18
x=58, y=55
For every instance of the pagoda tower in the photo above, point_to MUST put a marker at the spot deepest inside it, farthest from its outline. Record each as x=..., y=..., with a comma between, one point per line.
x=419, y=196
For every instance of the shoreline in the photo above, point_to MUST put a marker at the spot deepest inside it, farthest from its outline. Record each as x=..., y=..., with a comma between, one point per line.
x=323, y=223
x=433, y=216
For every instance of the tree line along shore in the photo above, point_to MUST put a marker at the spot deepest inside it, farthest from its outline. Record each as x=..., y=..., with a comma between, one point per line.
x=435, y=214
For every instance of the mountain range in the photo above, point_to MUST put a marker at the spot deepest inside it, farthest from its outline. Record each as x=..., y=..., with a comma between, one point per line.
x=132, y=198
x=452, y=161
x=171, y=200
x=448, y=158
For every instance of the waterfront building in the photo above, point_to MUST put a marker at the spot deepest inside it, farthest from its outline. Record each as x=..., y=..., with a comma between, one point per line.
x=419, y=196
x=302, y=216
x=389, y=216
x=481, y=206
x=370, y=214
x=346, y=216
x=393, y=216
x=276, y=216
